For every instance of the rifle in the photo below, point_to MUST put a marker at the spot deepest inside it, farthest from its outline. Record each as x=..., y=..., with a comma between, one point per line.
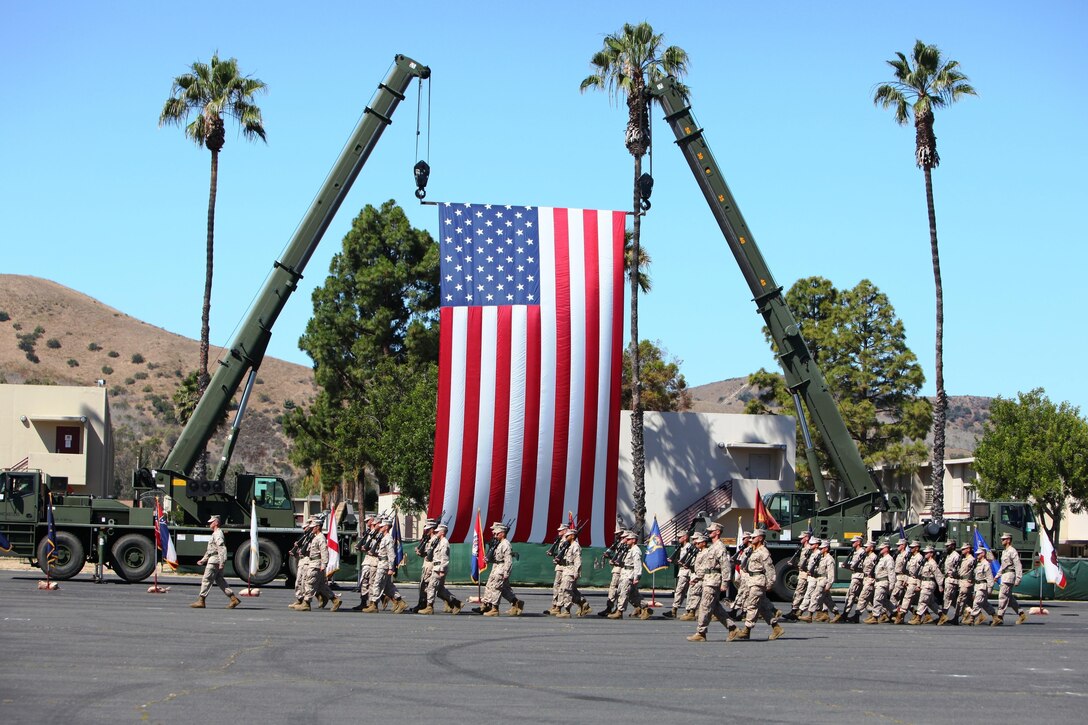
x=301, y=544
x=421, y=547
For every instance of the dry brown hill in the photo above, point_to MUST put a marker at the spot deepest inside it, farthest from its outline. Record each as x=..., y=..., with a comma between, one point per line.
x=966, y=413
x=55, y=335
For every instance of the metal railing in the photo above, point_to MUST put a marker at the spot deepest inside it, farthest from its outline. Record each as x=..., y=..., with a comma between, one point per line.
x=712, y=504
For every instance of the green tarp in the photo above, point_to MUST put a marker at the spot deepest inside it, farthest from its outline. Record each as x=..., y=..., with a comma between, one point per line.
x=1076, y=582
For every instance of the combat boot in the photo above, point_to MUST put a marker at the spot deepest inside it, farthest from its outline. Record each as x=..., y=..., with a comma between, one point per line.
x=322, y=600
x=518, y=608
x=371, y=608
x=688, y=616
x=336, y=603
x=399, y=606
x=671, y=614
x=776, y=632
x=804, y=618
x=360, y=606
x=855, y=619
x=551, y=612
x=927, y=619
x=872, y=620
x=884, y=619
x=584, y=609
x=455, y=607
x=490, y=610
x=696, y=637
x=898, y=619
x=426, y=610
x=616, y=615
x=304, y=607
x=943, y=620
x=1022, y=617
x=915, y=620
x=791, y=616
x=743, y=633
x=732, y=634
x=636, y=612
x=646, y=613
x=998, y=621
x=837, y=618
x=198, y=604
x=446, y=608
x=981, y=618
x=562, y=615
x=821, y=617
x=234, y=601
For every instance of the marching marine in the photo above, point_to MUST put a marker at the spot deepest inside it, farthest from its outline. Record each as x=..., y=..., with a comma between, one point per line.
x=931, y=579
x=1010, y=573
x=498, y=581
x=760, y=576
x=951, y=568
x=820, y=605
x=436, y=581
x=857, y=579
x=424, y=552
x=368, y=541
x=712, y=564
x=914, y=582
x=214, y=559
x=901, y=557
x=801, y=559
x=386, y=567
x=571, y=561
x=884, y=573
x=684, y=560
x=966, y=582
x=627, y=590
x=811, y=579
x=984, y=583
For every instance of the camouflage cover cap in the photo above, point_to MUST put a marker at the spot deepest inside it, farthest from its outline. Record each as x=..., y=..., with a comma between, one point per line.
x=714, y=526
x=368, y=517
x=929, y=550
x=950, y=542
x=884, y=544
x=754, y=534
x=1006, y=535
x=630, y=535
x=825, y=543
x=214, y=518
x=806, y=534
x=855, y=538
x=870, y=543
x=901, y=542
x=966, y=545
x=914, y=544
x=697, y=537
x=500, y=526
x=429, y=524
x=441, y=527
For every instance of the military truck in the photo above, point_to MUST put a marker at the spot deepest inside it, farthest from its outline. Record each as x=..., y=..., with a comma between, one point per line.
x=122, y=536
x=865, y=508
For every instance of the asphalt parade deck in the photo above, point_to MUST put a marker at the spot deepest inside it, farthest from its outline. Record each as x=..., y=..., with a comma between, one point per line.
x=90, y=653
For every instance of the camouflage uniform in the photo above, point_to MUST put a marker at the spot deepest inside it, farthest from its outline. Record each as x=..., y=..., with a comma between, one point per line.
x=683, y=579
x=914, y=582
x=931, y=579
x=965, y=574
x=854, y=564
x=984, y=583
x=382, y=580
x=628, y=586
x=868, y=580
x=498, y=581
x=803, y=555
x=436, y=581
x=316, y=584
x=570, y=571
x=425, y=550
x=740, y=577
x=760, y=575
x=885, y=580
x=811, y=580
x=901, y=556
x=951, y=567
x=369, y=568
x=1010, y=573
x=823, y=577
x=710, y=564
x=214, y=559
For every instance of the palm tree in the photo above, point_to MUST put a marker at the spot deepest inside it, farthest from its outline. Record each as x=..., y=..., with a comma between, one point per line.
x=628, y=64
x=923, y=83
x=211, y=91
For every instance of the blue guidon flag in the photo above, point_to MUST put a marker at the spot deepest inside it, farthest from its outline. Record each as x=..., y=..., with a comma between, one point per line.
x=657, y=558
x=5, y=545
x=529, y=368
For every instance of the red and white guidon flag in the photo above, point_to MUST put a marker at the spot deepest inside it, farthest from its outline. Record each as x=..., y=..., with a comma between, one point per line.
x=1049, y=558
x=529, y=368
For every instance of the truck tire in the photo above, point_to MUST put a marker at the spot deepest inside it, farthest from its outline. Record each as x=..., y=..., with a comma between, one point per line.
x=70, y=556
x=785, y=583
x=292, y=571
x=269, y=561
x=133, y=557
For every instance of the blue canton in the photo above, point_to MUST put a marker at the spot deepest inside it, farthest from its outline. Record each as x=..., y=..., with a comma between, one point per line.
x=490, y=255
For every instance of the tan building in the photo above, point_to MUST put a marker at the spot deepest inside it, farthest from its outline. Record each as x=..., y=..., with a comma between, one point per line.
x=63, y=430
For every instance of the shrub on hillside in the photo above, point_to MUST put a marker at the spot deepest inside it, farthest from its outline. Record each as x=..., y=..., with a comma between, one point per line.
x=73, y=363
x=94, y=347
x=4, y=317
x=130, y=381
x=140, y=375
x=137, y=358
x=113, y=353
x=53, y=343
x=107, y=370
x=32, y=358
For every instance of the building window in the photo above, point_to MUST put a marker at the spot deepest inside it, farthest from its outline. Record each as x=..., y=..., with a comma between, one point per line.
x=927, y=498
x=969, y=497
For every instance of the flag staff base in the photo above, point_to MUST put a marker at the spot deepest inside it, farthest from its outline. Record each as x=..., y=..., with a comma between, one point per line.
x=156, y=589
x=1039, y=611
x=250, y=592
x=48, y=586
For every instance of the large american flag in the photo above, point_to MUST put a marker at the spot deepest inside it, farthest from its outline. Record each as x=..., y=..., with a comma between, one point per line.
x=529, y=369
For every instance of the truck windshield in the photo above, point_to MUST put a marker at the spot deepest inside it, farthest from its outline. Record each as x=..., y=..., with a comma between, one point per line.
x=271, y=493
x=1018, y=515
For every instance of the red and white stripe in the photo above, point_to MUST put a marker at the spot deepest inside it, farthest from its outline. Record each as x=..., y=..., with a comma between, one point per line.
x=529, y=396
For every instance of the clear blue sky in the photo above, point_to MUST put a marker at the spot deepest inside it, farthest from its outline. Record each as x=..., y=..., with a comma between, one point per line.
x=96, y=197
